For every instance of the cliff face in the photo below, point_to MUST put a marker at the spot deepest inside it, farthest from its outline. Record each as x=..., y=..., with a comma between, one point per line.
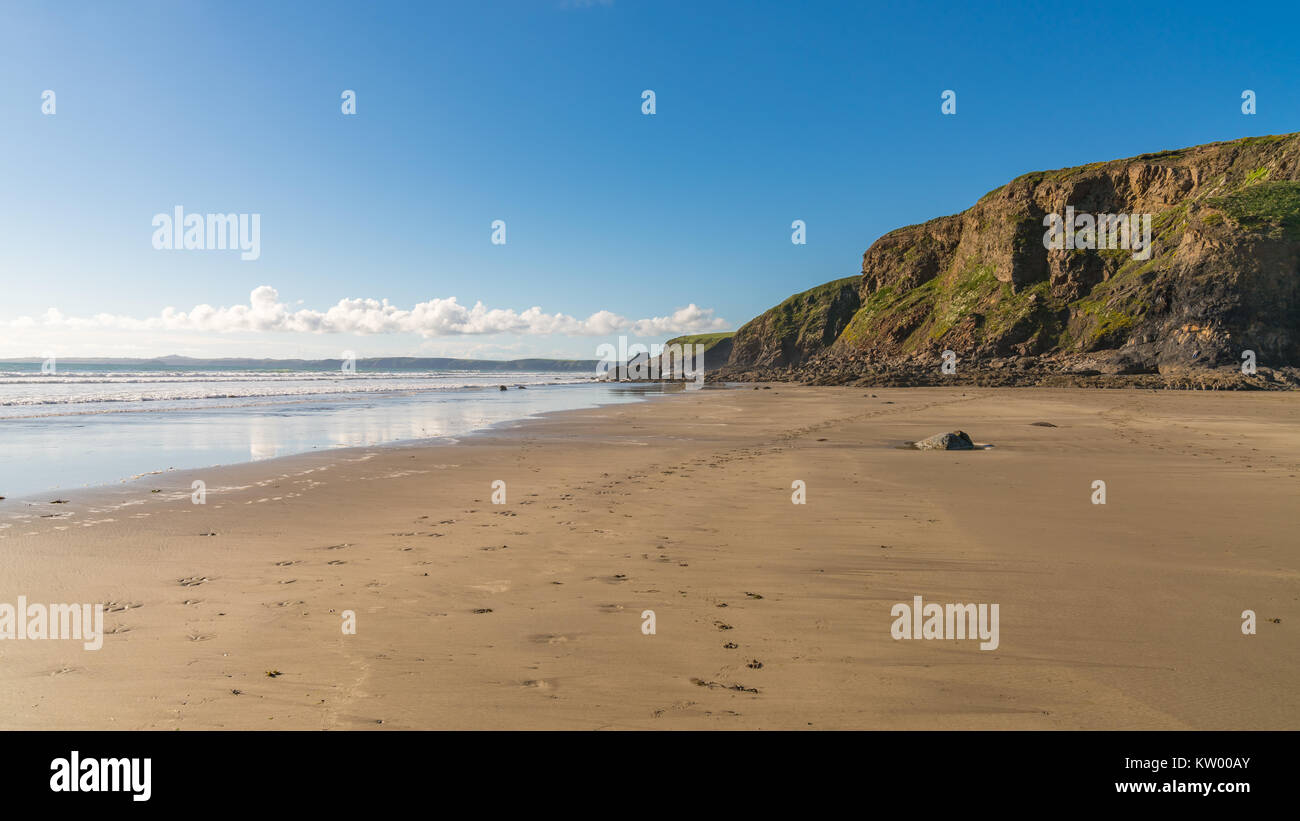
x=1222, y=274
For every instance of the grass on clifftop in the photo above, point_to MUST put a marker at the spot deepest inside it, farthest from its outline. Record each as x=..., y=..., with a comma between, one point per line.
x=709, y=341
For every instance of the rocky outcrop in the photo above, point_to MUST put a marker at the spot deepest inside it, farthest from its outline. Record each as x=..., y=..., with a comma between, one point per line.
x=1221, y=277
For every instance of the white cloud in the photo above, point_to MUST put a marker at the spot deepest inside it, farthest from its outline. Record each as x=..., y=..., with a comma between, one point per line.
x=435, y=318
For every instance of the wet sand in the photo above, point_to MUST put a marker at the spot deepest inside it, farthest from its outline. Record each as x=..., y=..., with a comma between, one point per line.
x=768, y=614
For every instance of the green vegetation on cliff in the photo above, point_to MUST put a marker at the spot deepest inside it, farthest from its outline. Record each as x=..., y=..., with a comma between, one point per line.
x=1264, y=207
x=806, y=312
x=801, y=326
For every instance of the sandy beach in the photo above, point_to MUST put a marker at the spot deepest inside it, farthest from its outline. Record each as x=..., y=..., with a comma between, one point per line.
x=768, y=614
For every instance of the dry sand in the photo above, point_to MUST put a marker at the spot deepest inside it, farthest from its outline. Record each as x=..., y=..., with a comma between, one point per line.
x=528, y=614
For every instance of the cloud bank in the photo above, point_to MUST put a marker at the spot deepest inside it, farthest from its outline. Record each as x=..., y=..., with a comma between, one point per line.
x=435, y=318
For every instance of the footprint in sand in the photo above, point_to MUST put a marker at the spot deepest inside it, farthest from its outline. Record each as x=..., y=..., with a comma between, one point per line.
x=550, y=638
x=198, y=637
x=539, y=683
x=336, y=562
x=338, y=546
x=713, y=685
x=118, y=606
x=684, y=707
x=284, y=564
x=193, y=581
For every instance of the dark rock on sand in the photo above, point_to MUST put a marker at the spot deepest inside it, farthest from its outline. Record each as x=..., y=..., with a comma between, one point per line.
x=957, y=440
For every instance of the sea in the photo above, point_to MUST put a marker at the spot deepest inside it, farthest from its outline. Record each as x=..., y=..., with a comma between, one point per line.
x=87, y=425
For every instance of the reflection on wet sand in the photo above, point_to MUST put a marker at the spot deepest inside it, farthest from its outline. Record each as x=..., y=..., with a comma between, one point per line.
x=86, y=450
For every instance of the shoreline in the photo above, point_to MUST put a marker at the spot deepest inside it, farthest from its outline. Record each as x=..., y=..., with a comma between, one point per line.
x=528, y=614
x=132, y=489
x=630, y=394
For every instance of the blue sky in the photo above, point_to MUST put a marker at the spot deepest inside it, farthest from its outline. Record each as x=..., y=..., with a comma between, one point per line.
x=530, y=112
